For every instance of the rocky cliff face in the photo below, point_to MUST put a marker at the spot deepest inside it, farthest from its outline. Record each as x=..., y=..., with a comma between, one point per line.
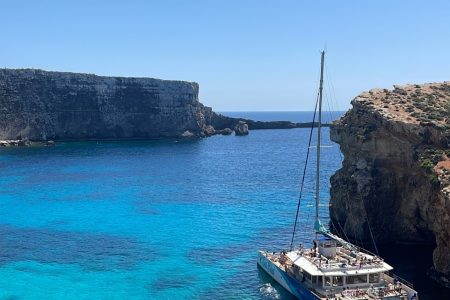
x=41, y=105
x=396, y=171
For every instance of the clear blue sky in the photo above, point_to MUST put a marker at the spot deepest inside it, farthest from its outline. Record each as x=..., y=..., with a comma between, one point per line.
x=246, y=55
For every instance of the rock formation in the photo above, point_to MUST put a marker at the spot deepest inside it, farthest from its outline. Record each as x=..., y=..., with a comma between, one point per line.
x=396, y=171
x=39, y=106
x=241, y=128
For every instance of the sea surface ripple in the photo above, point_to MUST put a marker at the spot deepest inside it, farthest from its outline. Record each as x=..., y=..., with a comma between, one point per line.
x=154, y=219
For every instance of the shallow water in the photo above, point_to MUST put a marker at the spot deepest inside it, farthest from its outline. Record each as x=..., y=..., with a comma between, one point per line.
x=152, y=219
x=157, y=219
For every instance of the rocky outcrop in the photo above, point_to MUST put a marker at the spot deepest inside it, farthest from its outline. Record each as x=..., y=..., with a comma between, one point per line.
x=38, y=105
x=41, y=105
x=241, y=128
x=395, y=174
x=14, y=143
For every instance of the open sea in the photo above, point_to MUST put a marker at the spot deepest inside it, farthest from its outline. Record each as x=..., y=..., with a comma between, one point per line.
x=166, y=219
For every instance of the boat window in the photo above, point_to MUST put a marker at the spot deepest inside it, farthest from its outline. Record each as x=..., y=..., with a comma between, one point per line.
x=320, y=281
x=338, y=281
x=355, y=279
x=328, y=280
x=307, y=275
x=375, y=277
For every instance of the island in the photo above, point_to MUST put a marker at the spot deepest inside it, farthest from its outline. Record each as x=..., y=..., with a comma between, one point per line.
x=37, y=105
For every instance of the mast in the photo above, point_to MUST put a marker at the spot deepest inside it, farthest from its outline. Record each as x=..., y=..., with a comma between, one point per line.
x=319, y=125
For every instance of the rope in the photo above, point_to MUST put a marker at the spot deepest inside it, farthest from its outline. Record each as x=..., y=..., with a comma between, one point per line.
x=343, y=232
x=333, y=97
x=304, y=175
x=328, y=101
x=370, y=229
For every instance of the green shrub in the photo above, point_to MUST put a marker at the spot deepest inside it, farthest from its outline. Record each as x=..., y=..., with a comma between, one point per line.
x=427, y=164
x=433, y=178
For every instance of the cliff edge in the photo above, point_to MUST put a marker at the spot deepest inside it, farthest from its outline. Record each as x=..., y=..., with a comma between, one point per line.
x=41, y=105
x=396, y=169
x=37, y=105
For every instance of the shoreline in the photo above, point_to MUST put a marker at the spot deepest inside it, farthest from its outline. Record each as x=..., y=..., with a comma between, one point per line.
x=253, y=125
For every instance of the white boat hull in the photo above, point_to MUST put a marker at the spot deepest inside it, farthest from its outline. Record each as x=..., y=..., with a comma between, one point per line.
x=286, y=281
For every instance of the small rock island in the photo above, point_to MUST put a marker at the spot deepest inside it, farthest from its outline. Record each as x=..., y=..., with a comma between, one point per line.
x=396, y=170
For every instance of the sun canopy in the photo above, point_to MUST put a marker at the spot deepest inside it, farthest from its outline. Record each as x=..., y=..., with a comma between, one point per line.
x=312, y=269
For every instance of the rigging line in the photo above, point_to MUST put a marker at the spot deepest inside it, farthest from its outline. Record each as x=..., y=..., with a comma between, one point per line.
x=332, y=90
x=368, y=225
x=309, y=146
x=355, y=239
x=333, y=99
x=328, y=79
x=359, y=239
x=371, y=236
x=336, y=231
x=304, y=174
x=328, y=104
x=334, y=94
x=329, y=83
x=343, y=232
x=310, y=227
x=329, y=93
x=358, y=242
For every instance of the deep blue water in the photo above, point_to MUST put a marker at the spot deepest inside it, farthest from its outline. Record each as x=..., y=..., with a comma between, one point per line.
x=293, y=116
x=152, y=219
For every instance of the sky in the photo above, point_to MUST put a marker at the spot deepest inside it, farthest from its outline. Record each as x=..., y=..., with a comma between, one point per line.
x=247, y=55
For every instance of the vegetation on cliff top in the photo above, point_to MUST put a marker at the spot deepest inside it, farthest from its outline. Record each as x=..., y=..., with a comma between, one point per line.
x=427, y=104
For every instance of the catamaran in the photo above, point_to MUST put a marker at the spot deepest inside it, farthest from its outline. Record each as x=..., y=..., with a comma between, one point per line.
x=332, y=268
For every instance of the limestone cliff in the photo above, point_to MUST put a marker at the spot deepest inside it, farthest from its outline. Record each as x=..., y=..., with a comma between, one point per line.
x=395, y=173
x=41, y=105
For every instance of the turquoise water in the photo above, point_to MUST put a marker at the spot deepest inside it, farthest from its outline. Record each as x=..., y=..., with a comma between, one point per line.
x=150, y=219
x=164, y=219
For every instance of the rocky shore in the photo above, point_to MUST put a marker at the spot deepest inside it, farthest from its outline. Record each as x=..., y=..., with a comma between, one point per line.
x=396, y=171
x=38, y=106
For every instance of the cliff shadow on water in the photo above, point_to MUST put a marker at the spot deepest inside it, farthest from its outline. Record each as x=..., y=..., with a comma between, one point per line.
x=412, y=262
x=414, y=267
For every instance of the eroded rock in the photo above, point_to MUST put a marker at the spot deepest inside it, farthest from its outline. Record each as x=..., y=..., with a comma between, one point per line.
x=395, y=174
x=241, y=128
x=40, y=105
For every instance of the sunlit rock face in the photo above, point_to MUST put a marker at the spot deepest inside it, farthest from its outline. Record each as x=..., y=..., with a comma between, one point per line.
x=41, y=105
x=37, y=105
x=396, y=170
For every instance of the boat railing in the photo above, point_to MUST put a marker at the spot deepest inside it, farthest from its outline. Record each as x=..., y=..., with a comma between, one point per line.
x=370, y=253
x=365, y=251
x=344, y=266
x=400, y=279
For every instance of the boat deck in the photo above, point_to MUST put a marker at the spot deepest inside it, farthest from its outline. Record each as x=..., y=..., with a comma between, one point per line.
x=344, y=259
x=386, y=289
